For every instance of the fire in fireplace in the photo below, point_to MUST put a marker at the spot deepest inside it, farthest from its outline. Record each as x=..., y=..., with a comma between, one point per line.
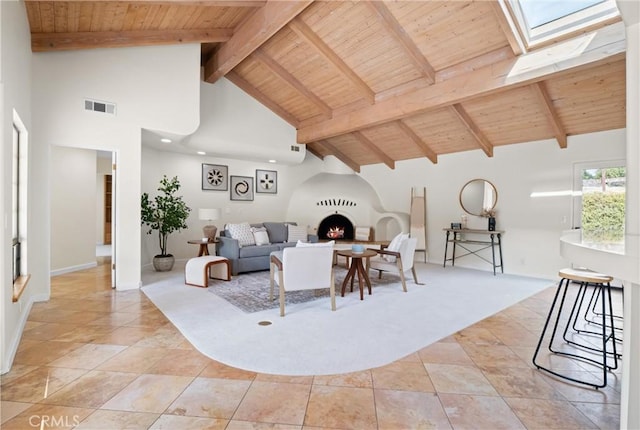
x=336, y=227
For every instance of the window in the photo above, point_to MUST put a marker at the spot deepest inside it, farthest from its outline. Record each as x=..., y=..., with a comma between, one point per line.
x=600, y=203
x=541, y=22
x=19, y=206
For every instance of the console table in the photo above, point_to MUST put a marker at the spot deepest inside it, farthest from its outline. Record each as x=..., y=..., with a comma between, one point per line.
x=468, y=239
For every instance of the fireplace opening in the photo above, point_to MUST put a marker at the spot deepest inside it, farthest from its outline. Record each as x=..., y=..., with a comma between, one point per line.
x=335, y=227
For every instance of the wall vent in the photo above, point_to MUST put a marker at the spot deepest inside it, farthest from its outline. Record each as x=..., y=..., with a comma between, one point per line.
x=100, y=106
x=295, y=148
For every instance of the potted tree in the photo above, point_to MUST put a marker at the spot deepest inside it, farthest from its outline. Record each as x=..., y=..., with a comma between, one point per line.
x=165, y=213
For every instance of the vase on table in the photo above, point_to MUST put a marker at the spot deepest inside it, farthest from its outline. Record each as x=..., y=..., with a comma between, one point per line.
x=491, y=224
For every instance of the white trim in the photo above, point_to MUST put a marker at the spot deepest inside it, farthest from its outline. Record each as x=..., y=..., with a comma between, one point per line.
x=15, y=342
x=73, y=268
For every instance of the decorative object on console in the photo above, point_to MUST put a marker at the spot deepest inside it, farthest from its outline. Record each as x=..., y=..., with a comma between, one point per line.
x=242, y=188
x=490, y=214
x=266, y=181
x=209, y=231
x=456, y=225
x=166, y=213
x=215, y=177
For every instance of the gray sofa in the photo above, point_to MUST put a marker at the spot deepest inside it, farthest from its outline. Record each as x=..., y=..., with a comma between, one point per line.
x=253, y=258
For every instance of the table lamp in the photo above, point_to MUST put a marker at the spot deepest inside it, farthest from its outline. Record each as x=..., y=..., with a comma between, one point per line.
x=209, y=215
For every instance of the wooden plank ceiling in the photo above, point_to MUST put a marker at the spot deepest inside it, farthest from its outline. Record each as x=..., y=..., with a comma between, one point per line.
x=373, y=82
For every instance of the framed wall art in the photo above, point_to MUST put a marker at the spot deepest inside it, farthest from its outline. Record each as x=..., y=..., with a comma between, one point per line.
x=266, y=181
x=215, y=177
x=241, y=188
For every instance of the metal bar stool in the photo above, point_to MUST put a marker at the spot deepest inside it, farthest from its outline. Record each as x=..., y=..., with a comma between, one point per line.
x=591, y=315
x=606, y=335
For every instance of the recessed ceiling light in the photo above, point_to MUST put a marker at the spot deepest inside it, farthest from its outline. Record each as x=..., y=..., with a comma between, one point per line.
x=272, y=161
x=165, y=140
x=201, y=153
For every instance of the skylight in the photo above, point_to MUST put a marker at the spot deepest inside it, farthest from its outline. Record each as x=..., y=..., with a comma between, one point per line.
x=539, y=12
x=545, y=21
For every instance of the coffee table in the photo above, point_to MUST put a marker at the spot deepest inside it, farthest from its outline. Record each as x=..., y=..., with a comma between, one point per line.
x=356, y=268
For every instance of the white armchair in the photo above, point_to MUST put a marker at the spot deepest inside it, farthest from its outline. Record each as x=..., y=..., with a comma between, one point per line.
x=396, y=262
x=302, y=268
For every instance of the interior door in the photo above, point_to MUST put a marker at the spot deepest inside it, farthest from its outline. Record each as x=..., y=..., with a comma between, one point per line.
x=114, y=224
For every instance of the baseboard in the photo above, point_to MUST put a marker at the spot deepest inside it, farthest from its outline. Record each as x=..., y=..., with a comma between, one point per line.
x=73, y=268
x=15, y=342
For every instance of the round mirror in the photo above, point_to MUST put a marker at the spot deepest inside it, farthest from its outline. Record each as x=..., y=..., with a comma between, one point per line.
x=478, y=196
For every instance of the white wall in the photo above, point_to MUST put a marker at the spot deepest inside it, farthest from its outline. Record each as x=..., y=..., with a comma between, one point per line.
x=532, y=225
x=153, y=87
x=15, y=93
x=264, y=207
x=73, y=209
x=263, y=135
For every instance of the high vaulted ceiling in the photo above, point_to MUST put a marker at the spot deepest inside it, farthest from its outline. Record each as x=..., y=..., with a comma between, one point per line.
x=375, y=82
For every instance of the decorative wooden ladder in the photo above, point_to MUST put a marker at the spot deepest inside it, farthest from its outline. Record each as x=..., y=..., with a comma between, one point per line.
x=418, y=219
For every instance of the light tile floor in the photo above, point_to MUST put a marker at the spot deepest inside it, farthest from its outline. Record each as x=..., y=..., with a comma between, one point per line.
x=94, y=358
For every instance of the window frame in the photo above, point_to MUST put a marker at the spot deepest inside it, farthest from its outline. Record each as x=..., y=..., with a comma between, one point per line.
x=20, y=160
x=578, y=168
x=583, y=21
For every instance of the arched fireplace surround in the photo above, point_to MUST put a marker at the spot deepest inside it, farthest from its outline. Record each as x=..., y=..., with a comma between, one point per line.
x=336, y=227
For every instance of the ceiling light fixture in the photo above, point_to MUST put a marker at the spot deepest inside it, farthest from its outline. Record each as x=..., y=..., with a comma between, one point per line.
x=165, y=140
x=272, y=161
x=201, y=153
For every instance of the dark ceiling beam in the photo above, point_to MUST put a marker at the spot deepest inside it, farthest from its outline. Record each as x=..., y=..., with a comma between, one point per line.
x=475, y=131
x=426, y=150
x=550, y=111
x=41, y=42
x=313, y=151
x=251, y=34
x=396, y=30
x=306, y=33
x=375, y=149
x=340, y=155
x=292, y=81
x=241, y=83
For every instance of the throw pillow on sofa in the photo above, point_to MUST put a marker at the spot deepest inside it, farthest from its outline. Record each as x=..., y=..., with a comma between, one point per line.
x=260, y=235
x=242, y=233
x=296, y=233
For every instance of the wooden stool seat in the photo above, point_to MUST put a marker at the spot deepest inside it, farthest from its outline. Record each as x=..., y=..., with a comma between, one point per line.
x=584, y=275
x=198, y=270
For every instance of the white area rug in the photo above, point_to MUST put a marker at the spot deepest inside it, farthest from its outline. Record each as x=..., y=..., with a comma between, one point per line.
x=313, y=340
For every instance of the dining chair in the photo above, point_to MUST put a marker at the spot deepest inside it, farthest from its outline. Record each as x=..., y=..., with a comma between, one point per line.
x=302, y=268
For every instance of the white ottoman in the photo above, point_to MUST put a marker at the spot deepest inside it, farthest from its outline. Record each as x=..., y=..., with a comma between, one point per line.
x=198, y=270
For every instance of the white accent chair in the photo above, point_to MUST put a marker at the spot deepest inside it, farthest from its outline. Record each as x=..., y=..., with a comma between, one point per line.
x=396, y=262
x=302, y=268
